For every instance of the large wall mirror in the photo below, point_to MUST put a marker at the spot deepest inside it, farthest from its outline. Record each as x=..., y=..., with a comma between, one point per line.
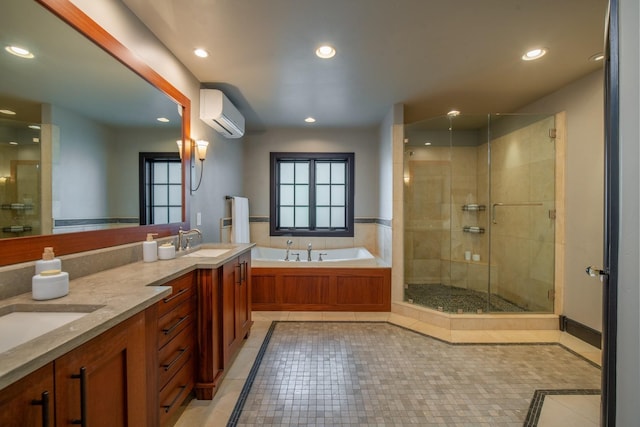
x=73, y=120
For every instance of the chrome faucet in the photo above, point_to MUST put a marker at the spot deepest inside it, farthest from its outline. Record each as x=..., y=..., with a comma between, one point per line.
x=181, y=238
x=309, y=252
x=289, y=243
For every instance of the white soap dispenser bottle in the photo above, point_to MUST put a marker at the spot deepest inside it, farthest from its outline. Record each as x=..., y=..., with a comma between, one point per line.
x=150, y=248
x=48, y=261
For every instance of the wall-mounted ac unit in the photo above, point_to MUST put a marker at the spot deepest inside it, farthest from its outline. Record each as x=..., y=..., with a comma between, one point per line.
x=218, y=112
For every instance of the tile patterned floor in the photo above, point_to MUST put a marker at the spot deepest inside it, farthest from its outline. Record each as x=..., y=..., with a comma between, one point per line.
x=529, y=360
x=367, y=374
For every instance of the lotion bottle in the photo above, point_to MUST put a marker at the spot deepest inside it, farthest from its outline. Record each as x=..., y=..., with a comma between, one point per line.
x=150, y=249
x=48, y=261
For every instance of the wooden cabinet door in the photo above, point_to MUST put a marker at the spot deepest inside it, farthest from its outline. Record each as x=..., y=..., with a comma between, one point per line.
x=230, y=332
x=29, y=401
x=102, y=382
x=236, y=304
x=209, y=352
x=243, y=296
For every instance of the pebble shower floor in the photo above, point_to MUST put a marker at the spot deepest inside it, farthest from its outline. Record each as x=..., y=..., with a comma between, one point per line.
x=378, y=374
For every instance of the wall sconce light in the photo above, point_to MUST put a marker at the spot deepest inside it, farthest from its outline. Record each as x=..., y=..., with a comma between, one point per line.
x=199, y=149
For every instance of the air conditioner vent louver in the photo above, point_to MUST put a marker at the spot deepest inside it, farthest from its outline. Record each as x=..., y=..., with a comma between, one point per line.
x=218, y=112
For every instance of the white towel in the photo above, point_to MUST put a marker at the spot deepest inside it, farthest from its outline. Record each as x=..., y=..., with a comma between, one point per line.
x=240, y=220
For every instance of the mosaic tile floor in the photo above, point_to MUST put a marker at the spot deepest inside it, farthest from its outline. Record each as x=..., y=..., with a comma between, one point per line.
x=379, y=374
x=452, y=299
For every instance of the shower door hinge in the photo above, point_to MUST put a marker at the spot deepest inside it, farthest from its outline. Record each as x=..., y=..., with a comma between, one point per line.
x=552, y=133
x=551, y=294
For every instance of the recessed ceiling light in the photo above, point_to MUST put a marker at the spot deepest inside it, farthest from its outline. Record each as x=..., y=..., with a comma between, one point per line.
x=36, y=140
x=326, y=51
x=453, y=113
x=13, y=143
x=19, y=51
x=201, y=53
x=8, y=112
x=597, y=57
x=310, y=120
x=163, y=119
x=427, y=143
x=34, y=127
x=406, y=140
x=534, y=54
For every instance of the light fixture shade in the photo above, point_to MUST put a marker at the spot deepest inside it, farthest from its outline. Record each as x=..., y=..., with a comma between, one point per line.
x=179, y=142
x=201, y=149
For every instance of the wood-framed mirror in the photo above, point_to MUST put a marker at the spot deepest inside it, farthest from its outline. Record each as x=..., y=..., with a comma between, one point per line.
x=21, y=249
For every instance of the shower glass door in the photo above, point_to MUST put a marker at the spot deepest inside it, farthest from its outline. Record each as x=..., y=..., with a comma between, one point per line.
x=479, y=213
x=522, y=164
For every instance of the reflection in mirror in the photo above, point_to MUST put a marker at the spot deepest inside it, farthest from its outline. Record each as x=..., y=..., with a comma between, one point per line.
x=80, y=170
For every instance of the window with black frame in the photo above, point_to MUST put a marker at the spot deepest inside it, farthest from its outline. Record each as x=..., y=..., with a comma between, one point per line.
x=312, y=194
x=160, y=188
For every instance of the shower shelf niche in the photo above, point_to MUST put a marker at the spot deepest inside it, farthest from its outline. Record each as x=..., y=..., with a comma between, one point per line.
x=473, y=208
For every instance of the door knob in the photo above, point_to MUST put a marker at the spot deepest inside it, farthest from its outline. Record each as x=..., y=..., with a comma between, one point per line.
x=593, y=272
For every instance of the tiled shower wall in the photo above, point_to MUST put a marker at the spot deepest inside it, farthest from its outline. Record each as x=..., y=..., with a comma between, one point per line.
x=438, y=182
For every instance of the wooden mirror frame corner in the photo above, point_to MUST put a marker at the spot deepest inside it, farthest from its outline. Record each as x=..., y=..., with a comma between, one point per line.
x=23, y=249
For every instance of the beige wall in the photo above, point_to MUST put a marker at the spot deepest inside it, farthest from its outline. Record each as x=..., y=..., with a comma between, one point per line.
x=582, y=101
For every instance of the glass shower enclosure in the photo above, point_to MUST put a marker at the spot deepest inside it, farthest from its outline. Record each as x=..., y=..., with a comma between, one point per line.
x=479, y=213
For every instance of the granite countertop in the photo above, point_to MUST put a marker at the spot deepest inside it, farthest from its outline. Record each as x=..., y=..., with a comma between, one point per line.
x=120, y=292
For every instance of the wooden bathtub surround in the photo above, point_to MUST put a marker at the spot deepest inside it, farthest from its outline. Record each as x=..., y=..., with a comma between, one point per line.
x=321, y=289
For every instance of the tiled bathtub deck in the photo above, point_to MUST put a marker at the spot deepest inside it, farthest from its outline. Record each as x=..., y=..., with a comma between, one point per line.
x=379, y=374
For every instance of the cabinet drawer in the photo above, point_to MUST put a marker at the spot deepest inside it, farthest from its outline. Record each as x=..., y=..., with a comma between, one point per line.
x=173, y=356
x=175, y=321
x=183, y=290
x=175, y=392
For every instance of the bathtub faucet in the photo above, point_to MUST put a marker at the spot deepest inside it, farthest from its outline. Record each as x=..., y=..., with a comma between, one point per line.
x=309, y=252
x=289, y=243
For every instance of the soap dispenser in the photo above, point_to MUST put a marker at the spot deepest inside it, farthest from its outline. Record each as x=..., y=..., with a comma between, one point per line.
x=48, y=261
x=150, y=248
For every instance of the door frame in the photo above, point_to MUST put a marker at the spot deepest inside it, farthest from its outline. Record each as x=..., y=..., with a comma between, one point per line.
x=611, y=217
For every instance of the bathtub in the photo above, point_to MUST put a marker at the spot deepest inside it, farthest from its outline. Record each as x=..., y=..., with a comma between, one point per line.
x=349, y=279
x=346, y=257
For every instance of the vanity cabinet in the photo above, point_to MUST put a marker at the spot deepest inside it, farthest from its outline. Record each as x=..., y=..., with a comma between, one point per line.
x=29, y=402
x=236, y=304
x=210, y=365
x=103, y=382
x=171, y=326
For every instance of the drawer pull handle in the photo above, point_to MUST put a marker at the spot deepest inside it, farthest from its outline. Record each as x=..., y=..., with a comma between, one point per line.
x=176, y=295
x=82, y=376
x=168, y=407
x=44, y=401
x=181, y=352
x=170, y=329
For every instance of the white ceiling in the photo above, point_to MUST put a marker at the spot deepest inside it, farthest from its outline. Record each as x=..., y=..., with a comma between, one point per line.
x=431, y=55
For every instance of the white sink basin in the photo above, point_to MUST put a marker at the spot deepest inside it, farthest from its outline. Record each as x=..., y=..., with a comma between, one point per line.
x=208, y=253
x=22, y=324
